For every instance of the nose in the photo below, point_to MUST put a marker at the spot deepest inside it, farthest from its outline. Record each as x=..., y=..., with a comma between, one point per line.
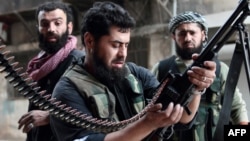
x=188, y=37
x=122, y=50
x=51, y=27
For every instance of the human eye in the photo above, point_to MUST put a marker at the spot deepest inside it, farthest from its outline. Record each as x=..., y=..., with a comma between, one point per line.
x=193, y=32
x=116, y=45
x=182, y=33
x=44, y=24
x=58, y=23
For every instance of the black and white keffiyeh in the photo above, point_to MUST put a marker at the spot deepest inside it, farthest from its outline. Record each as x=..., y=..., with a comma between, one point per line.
x=187, y=17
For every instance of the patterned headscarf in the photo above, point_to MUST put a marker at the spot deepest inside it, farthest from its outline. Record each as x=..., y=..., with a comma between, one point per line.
x=42, y=65
x=187, y=17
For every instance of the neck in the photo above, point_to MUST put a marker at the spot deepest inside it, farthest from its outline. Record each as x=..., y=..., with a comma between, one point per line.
x=88, y=66
x=186, y=62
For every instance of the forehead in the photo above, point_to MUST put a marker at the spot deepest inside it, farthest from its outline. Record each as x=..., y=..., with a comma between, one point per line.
x=119, y=34
x=188, y=26
x=51, y=15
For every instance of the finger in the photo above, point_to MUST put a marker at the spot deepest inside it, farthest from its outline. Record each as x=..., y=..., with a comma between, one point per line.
x=23, y=120
x=199, y=79
x=178, y=118
x=25, y=128
x=204, y=78
x=207, y=80
x=155, y=107
x=20, y=126
x=195, y=56
x=25, y=125
x=169, y=109
x=23, y=117
x=28, y=127
x=208, y=70
x=210, y=64
x=175, y=112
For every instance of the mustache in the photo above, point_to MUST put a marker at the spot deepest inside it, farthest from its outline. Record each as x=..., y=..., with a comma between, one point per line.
x=120, y=59
x=51, y=34
x=188, y=42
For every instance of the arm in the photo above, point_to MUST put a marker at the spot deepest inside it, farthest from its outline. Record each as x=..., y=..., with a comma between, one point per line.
x=195, y=76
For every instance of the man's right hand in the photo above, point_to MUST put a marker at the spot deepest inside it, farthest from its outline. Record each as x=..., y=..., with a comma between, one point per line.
x=158, y=118
x=33, y=119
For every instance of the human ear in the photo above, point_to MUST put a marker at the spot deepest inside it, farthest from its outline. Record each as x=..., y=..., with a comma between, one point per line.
x=203, y=36
x=70, y=27
x=88, y=40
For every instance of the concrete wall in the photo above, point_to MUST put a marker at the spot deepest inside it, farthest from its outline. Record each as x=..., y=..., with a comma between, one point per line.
x=10, y=111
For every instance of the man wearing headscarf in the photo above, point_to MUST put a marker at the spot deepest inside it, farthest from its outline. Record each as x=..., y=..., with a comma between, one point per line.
x=189, y=31
x=58, y=51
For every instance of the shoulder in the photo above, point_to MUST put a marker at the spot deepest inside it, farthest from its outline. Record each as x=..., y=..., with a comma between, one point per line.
x=222, y=69
x=223, y=66
x=155, y=67
x=77, y=53
x=163, y=62
x=143, y=74
x=62, y=87
x=136, y=69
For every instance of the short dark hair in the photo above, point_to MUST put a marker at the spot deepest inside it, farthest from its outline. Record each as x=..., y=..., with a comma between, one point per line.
x=98, y=19
x=50, y=6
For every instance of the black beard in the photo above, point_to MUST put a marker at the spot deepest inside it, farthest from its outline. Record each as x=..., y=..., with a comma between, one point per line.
x=109, y=77
x=52, y=48
x=186, y=53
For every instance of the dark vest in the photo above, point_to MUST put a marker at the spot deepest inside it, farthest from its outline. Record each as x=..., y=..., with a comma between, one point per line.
x=100, y=100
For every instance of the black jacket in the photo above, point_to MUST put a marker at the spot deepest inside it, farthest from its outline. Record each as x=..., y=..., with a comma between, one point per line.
x=44, y=133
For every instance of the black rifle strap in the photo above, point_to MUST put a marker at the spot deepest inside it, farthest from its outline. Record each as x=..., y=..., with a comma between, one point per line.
x=231, y=82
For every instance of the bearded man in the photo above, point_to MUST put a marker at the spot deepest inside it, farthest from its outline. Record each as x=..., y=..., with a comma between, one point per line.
x=58, y=51
x=189, y=31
